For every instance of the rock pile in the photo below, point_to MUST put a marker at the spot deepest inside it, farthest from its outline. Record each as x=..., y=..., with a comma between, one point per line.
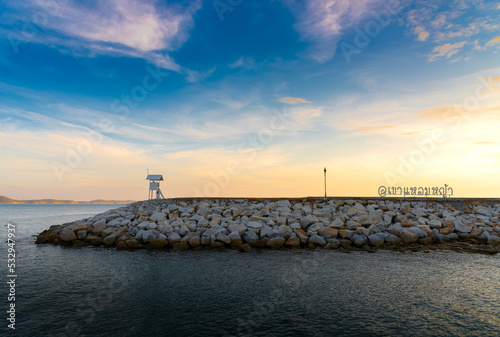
x=310, y=223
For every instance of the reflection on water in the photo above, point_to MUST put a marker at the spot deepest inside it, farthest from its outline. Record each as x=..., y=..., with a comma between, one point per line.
x=99, y=292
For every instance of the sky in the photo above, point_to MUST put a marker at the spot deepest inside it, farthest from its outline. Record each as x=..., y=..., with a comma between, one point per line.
x=240, y=98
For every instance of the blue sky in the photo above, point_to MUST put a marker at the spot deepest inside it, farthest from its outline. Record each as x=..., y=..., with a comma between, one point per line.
x=246, y=98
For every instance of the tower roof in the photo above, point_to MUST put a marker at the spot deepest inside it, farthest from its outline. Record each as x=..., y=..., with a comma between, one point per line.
x=155, y=177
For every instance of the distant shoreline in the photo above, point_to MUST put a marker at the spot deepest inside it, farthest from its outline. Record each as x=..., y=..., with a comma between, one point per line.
x=6, y=200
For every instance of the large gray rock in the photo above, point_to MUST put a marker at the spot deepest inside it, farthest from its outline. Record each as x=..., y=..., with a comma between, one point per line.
x=67, y=235
x=308, y=220
x=276, y=242
x=235, y=239
x=250, y=237
x=421, y=233
x=99, y=223
x=392, y=239
x=158, y=216
x=183, y=230
x=358, y=240
x=223, y=238
x=240, y=229
x=317, y=240
x=283, y=203
x=408, y=236
x=337, y=223
x=376, y=240
x=147, y=236
x=174, y=238
x=493, y=240
x=434, y=224
x=463, y=227
x=255, y=225
x=371, y=219
x=363, y=231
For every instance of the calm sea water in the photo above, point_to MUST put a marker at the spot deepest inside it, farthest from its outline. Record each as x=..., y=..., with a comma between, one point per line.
x=99, y=292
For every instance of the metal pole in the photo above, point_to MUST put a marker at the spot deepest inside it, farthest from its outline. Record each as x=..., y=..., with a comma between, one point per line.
x=325, y=182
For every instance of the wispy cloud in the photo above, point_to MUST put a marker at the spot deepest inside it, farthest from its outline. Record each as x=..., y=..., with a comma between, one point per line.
x=323, y=22
x=142, y=29
x=446, y=50
x=293, y=100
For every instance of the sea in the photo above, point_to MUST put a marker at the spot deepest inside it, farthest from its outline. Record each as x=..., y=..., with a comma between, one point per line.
x=90, y=291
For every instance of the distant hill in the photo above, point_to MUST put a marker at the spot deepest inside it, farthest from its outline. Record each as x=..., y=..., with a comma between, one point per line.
x=6, y=200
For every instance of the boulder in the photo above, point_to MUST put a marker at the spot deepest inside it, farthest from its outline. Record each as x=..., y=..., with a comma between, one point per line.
x=337, y=223
x=328, y=232
x=67, y=235
x=292, y=241
x=463, y=227
x=362, y=231
x=376, y=240
x=276, y=242
x=156, y=244
x=133, y=243
x=434, y=224
x=147, y=236
x=183, y=230
x=332, y=244
x=245, y=248
x=358, y=240
x=317, y=240
x=392, y=239
x=283, y=203
x=250, y=238
x=345, y=233
x=371, y=219
x=236, y=240
x=301, y=235
x=408, y=236
x=174, y=238
x=109, y=240
x=223, y=238
x=493, y=240
x=255, y=225
x=81, y=234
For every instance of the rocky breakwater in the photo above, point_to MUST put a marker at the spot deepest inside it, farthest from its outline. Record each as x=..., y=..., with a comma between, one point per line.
x=359, y=224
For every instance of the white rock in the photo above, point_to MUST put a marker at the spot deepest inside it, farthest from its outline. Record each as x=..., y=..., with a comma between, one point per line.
x=434, y=223
x=255, y=225
x=158, y=216
x=283, y=203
